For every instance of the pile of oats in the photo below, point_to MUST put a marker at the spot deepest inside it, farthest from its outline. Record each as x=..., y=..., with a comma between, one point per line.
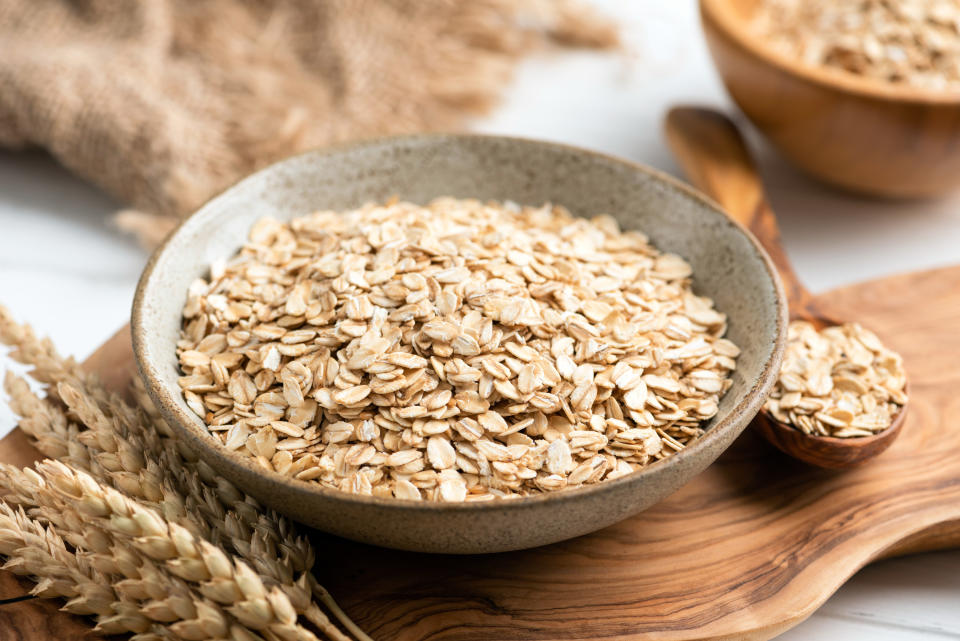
x=839, y=382
x=459, y=351
x=914, y=42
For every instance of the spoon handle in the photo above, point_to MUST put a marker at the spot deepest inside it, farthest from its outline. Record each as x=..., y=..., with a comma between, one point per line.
x=715, y=157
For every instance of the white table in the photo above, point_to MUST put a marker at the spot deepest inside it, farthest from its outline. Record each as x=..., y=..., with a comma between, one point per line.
x=65, y=270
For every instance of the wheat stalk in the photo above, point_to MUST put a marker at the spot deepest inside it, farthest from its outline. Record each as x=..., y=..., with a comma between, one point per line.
x=118, y=461
x=111, y=446
x=143, y=593
x=129, y=539
x=46, y=424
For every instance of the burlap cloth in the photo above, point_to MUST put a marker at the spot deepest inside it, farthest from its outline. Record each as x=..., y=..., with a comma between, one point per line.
x=162, y=103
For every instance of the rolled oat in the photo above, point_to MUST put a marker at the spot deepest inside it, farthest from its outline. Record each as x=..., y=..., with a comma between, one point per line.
x=914, y=42
x=840, y=382
x=458, y=351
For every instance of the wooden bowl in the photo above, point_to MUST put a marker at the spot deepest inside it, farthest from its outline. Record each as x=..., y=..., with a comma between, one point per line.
x=865, y=135
x=729, y=266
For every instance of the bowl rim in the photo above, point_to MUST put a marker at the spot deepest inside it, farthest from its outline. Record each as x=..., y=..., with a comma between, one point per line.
x=721, y=15
x=166, y=399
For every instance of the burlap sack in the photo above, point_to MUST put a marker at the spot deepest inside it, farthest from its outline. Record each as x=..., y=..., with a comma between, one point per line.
x=162, y=103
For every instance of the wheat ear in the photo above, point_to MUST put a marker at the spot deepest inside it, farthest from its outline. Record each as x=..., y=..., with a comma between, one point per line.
x=111, y=523
x=168, y=502
x=146, y=592
x=40, y=353
x=118, y=461
x=37, y=551
x=46, y=424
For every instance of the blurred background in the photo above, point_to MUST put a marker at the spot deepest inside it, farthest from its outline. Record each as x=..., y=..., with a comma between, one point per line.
x=67, y=270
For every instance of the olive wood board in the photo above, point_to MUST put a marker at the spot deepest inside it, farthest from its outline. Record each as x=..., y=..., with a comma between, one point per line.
x=746, y=550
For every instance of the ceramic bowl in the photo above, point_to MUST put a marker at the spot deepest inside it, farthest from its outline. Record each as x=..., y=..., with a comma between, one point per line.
x=729, y=266
x=864, y=135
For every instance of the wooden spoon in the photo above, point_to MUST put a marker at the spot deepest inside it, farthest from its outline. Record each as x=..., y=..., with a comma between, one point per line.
x=714, y=156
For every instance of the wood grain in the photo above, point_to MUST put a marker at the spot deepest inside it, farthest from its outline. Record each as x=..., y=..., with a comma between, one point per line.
x=39, y=619
x=885, y=140
x=746, y=550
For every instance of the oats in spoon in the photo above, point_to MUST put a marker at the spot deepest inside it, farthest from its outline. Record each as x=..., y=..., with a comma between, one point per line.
x=840, y=381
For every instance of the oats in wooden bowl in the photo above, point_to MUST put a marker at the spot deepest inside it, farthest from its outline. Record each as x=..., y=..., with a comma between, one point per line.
x=910, y=42
x=862, y=94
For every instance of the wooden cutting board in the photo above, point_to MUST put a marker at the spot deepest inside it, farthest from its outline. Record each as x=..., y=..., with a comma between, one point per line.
x=748, y=549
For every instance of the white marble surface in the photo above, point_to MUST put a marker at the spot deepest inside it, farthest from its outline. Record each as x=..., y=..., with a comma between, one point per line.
x=65, y=270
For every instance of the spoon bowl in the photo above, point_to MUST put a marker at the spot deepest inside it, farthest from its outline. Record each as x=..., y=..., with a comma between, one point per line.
x=715, y=157
x=827, y=451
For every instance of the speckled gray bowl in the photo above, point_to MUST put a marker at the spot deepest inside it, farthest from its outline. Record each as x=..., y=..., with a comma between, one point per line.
x=729, y=266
